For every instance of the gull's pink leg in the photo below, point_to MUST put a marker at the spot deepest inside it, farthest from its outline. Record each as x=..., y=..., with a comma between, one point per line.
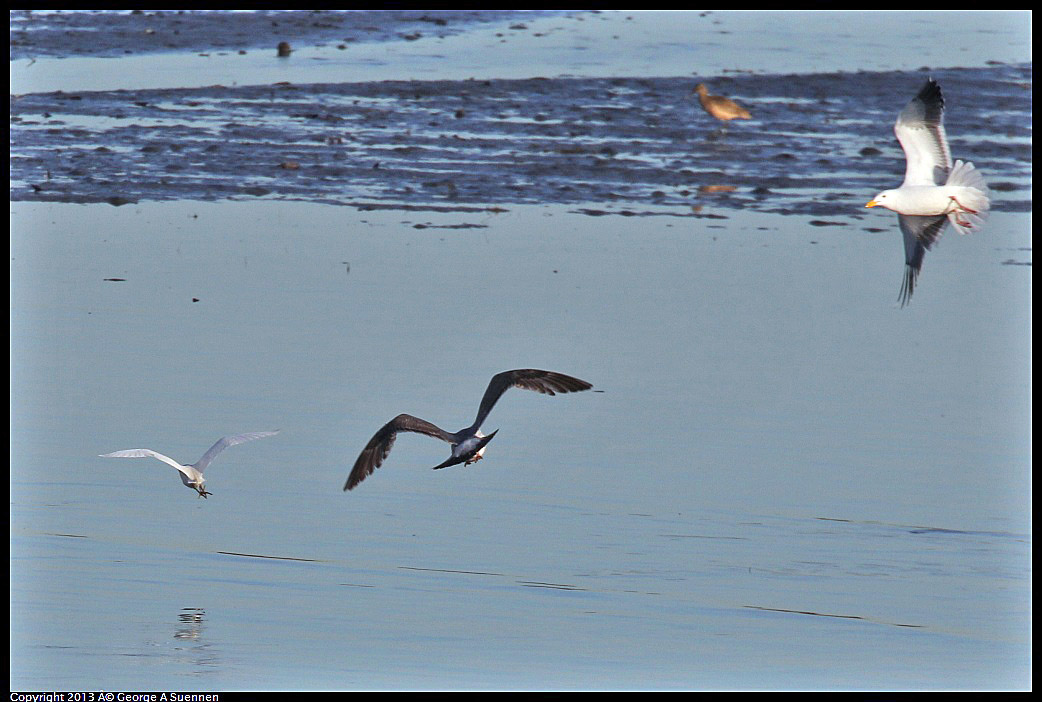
x=961, y=206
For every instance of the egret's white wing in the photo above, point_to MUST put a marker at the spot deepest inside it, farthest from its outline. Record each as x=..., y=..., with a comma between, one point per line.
x=227, y=441
x=920, y=129
x=143, y=453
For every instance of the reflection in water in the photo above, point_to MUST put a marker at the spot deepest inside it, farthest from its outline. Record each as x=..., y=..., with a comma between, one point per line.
x=192, y=619
x=190, y=630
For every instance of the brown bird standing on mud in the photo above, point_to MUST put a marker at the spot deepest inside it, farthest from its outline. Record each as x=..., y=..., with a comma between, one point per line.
x=722, y=108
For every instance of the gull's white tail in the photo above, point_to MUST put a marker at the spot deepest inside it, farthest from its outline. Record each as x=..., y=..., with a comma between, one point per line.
x=973, y=202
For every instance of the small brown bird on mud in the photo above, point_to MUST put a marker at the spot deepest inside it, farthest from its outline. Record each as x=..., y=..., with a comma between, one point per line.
x=724, y=109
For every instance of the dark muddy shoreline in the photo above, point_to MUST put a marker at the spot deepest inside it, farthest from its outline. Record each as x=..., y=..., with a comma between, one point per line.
x=818, y=145
x=106, y=33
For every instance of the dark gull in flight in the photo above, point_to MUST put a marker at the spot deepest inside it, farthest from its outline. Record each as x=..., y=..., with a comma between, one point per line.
x=934, y=192
x=468, y=445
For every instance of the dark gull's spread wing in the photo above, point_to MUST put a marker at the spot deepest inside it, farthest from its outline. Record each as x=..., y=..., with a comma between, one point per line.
x=380, y=445
x=920, y=129
x=227, y=441
x=920, y=233
x=546, y=382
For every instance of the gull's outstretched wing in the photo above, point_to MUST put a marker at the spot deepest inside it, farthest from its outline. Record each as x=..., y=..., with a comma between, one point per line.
x=380, y=445
x=546, y=382
x=227, y=441
x=920, y=233
x=920, y=129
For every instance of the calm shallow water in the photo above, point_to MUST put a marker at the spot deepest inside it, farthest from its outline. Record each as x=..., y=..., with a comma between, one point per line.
x=783, y=481
x=739, y=508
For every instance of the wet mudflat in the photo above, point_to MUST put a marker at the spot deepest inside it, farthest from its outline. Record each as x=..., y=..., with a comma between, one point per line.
x=119, y=34
x=816, y=146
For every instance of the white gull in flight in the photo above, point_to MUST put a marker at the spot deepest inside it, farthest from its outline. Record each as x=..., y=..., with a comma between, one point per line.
x=192, y=475
x=468, y=445
x=934, y=191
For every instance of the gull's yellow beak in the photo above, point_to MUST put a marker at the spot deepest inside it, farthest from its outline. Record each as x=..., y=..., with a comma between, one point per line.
x=872, y=203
